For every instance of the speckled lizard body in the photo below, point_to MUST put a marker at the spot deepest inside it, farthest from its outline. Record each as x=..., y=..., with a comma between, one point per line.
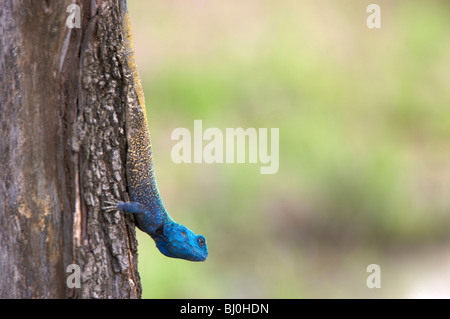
x=172, y=239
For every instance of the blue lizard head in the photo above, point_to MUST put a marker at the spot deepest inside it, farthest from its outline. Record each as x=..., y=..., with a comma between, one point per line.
x=178, y=241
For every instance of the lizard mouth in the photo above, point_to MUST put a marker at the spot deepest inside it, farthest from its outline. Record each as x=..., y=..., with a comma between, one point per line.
x=200, y=257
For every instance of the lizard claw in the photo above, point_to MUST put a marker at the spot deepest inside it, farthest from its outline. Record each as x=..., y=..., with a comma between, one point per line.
x=112, y=205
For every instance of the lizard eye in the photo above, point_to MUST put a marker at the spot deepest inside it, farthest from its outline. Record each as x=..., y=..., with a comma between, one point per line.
x=201, y=241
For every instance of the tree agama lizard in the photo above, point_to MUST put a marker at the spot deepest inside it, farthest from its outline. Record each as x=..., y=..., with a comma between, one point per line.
x=172, y=239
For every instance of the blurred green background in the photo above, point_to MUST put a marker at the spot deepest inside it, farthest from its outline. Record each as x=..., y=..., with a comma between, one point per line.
x=364, y=119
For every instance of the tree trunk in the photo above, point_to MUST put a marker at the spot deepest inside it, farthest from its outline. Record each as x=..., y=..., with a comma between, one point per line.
x=62, y=152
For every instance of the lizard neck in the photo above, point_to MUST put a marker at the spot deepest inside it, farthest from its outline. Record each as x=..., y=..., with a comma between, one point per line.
x=154, y=222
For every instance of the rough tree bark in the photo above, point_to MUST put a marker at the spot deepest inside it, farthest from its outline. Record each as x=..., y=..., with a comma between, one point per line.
x=62, y=152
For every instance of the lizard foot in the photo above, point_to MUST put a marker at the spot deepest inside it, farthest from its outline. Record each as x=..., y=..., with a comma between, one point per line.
x=112, y=205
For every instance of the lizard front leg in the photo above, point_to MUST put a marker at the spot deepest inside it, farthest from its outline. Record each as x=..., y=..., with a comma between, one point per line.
x=126, y=207
x=145, y=220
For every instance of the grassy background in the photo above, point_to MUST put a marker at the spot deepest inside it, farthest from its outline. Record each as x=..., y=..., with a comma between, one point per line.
x=364, y=119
